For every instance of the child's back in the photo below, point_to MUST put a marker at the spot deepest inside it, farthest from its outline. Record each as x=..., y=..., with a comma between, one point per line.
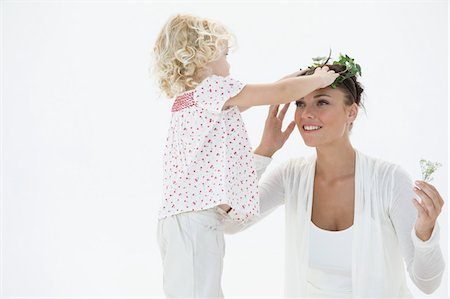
x=208, y=159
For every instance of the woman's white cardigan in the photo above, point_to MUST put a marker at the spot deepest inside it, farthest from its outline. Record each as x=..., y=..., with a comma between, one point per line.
x=383, y=228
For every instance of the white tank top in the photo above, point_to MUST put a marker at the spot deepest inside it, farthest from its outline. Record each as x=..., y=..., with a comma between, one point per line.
x=330, y=263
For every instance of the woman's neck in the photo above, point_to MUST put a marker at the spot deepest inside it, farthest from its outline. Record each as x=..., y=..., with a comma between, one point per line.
x=335, y=161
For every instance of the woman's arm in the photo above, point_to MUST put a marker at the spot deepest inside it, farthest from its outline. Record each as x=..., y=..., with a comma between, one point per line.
x=271, y=189
x=424, y=259
x=271, y=195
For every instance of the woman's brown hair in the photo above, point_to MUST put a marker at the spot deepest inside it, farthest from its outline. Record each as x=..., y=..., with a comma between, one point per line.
x=350, y=86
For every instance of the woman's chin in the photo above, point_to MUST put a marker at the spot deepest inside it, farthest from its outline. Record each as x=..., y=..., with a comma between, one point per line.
x=310, y=143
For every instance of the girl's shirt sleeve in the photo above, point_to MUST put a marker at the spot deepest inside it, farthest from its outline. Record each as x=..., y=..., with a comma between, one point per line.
x=214, y=91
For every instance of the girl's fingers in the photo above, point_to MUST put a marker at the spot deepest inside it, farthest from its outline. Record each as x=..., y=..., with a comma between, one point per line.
x=283, y=112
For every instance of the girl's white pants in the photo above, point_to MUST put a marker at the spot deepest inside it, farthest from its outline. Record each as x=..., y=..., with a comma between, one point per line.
x=192, y=249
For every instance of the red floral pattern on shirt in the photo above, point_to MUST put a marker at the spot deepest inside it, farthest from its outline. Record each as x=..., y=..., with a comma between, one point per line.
x=208, y=159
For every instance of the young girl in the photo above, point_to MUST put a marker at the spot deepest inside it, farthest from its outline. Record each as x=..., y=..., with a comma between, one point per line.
x=208, y=166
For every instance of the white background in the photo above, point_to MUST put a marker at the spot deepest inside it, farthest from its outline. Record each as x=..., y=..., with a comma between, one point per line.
x=83, y=129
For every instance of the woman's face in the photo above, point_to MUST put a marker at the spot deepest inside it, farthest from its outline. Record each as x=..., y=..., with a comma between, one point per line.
x=323, y=118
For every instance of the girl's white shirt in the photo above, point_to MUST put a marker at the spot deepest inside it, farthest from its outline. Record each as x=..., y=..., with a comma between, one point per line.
x=383, y=236
x=208, y=159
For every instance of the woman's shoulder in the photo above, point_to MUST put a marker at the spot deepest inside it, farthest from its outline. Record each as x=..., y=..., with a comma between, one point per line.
x=372, y=161
x=380, y=167
x=296, y=166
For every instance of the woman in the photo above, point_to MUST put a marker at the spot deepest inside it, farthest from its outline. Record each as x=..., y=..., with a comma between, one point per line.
x=351, y=220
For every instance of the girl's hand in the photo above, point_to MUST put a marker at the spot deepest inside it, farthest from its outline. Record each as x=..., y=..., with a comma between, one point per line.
x=428, y=209
x=273, y=138
x=325, y=75
x=295, y=74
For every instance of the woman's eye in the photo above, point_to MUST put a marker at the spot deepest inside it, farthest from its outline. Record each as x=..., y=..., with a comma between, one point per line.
x=299, y=104
x=322, y=103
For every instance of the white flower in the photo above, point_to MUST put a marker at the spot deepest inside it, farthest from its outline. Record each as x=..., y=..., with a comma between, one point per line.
x=428, y=168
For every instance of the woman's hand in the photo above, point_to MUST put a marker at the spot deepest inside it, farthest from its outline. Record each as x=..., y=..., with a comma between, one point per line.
x=428, y=209
x=273, y=138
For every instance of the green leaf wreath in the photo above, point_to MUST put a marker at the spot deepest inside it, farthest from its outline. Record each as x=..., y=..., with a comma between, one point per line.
x=351, y=68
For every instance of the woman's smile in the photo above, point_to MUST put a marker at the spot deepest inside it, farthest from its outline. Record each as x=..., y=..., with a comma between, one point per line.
x=311, y=128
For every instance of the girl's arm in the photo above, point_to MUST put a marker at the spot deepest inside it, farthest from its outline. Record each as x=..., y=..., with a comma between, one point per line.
x=293, y=75
x=242, y=108
x=283, y=91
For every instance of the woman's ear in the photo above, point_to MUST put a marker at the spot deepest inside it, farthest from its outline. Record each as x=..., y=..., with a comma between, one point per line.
x=352, y=112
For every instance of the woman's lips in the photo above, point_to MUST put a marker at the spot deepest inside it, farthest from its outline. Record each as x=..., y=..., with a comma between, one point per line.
x=311, y=128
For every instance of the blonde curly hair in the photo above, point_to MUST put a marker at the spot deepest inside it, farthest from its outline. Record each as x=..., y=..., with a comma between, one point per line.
x=184, y=46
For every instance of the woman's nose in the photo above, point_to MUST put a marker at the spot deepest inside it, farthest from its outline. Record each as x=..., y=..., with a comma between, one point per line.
x=307, y=113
